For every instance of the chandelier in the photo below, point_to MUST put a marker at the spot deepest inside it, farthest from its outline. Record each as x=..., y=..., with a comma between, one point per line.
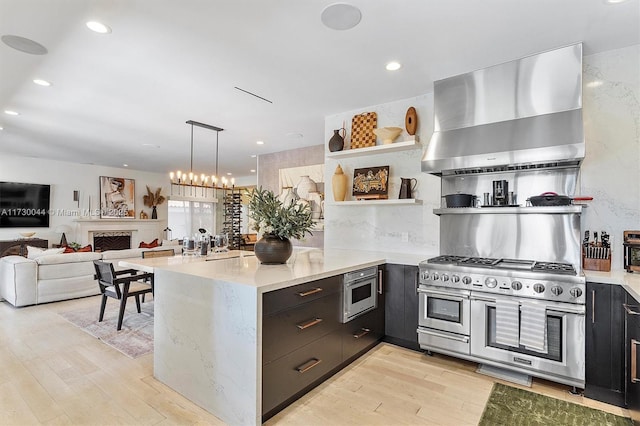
x=192, y=184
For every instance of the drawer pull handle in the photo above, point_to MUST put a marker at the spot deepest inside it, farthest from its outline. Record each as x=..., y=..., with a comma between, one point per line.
x=308, y=365
x=634, y=361
x=363, y=332
x=631, y=309
x=309, y=292
x=310, y=323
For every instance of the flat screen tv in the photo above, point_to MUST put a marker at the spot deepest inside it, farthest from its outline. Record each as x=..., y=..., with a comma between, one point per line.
x=24, y=205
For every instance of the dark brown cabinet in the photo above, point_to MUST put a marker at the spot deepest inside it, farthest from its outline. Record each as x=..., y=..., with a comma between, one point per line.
x=604, y=357
x=401, y=305
x=19, y=247
x=632, y=356
x=304, y=341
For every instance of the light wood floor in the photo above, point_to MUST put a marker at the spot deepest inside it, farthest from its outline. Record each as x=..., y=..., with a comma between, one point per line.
x=51, y=372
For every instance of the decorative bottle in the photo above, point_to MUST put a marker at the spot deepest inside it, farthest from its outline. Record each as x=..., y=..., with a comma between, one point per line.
x=339, y=184
x=305, y=186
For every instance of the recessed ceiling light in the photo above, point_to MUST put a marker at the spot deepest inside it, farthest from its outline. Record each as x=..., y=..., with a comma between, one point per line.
x=98, y=27
x=24, y=45
x=125, y=165
x=150, y=145
x=229, y=173
x=260, y=142
x=595, y=83
x=40, y=82
x=614, y=1
x=1, y=128
x=393, y=66
x=252, y=170
x=294, y=135
x=341, y=16
x=9, y=112
x=253, y=156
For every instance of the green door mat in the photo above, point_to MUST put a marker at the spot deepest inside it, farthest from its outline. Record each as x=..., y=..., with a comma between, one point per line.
x=512, y=406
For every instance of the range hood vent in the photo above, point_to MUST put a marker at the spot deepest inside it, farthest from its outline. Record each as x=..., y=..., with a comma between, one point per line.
x=519, y=115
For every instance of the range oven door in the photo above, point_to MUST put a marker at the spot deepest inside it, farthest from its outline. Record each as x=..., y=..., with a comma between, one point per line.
x=444, y=309
x=563, y=359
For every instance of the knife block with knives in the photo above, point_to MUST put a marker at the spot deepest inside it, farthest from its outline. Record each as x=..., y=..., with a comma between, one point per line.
x=596, y=252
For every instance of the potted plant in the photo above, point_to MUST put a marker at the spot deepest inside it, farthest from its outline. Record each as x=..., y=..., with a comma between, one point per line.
x=275, y=224
x=153, y=199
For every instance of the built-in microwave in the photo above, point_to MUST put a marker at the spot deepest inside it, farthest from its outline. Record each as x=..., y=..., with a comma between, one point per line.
x=632, y=251
x=360, y=293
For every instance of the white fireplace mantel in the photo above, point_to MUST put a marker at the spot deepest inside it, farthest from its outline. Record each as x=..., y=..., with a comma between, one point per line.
x=141, y=229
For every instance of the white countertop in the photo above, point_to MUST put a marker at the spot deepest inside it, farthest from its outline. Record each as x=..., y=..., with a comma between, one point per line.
x=242, y=267
x=630, y=281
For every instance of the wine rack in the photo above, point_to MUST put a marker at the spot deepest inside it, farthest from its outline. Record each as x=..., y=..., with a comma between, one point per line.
x=232, y=217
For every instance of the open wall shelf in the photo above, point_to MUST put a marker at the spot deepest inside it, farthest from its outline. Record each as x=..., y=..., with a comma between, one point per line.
x=378, y=149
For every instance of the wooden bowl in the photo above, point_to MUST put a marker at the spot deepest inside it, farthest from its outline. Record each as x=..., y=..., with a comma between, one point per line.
x=388, y=134
x=27, y=234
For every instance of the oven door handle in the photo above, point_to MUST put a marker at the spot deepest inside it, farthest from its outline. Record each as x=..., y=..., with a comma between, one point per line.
x=463, y=339
x=455, y=297
x=483, y=299
x=566, y=311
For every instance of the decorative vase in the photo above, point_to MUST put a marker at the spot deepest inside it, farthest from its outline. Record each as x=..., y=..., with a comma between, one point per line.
x=305, y=186
x=336, y=143
x=154, y=213
x=287, y=196
x=273, y=250
x=339, y=184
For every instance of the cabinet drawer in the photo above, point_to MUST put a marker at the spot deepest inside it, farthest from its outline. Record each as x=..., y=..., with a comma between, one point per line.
x=290, y=297
x=362, y=332
x=288, y=330
x=290, y=374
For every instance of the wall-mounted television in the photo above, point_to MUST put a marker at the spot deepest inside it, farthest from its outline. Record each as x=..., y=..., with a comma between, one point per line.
x=24, y=205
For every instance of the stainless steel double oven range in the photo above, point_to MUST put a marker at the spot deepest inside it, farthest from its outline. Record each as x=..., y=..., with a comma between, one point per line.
x=520, y=124
x=459, y=299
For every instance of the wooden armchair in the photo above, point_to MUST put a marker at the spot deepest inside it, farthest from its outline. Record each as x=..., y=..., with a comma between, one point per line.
x=121, y=288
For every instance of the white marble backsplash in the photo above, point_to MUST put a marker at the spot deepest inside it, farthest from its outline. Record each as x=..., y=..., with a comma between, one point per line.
x=610, y=172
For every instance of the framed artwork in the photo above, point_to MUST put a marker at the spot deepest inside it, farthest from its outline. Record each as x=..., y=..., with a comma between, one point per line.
x=371, y=183
x=117, y=198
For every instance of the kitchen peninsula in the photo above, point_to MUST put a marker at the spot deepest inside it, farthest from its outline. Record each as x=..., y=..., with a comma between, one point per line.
x=208, y=320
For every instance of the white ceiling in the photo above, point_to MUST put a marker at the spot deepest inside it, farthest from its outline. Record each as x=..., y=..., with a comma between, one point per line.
x=168, y=61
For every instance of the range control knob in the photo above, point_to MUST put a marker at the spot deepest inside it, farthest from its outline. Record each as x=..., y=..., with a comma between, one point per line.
x=466, y=280
x=425, y=276
x=575, y=292
x=516, y=285
x=455, y=278
x=538, y=288
x=491, y=282
x=435, y=276
x=444, y=277
x=556, y=290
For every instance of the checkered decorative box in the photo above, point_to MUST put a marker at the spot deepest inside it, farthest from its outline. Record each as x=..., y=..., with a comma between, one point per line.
x=362, y=126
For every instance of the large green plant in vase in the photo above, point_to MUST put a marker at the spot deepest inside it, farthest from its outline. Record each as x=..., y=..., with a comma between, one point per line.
x=275, y=224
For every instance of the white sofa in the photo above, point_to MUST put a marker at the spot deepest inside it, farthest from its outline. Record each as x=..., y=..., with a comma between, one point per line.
x=57, y=277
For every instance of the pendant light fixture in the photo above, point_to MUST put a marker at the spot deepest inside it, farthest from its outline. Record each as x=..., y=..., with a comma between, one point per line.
x=192, y=184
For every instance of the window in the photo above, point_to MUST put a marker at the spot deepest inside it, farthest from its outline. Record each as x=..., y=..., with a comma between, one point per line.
x=186, y=217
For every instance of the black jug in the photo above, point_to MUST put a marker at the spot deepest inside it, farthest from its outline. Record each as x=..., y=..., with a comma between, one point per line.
x=407, y=186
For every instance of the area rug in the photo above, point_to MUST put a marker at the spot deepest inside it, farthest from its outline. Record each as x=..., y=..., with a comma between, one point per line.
x=136, y=336
x=511, y=406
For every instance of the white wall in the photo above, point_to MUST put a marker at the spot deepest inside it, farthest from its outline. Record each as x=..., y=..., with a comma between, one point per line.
x=611, y=169
x=610, y=172
x=64, y=178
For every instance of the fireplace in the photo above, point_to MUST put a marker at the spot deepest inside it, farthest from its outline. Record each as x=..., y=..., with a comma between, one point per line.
x=111, y=240
x=138, y=230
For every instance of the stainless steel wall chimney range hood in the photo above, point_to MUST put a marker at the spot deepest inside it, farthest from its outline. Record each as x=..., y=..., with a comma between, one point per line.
x=517, y=115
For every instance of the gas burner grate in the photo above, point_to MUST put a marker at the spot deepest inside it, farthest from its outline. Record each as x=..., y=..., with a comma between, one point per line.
x=556, y=268
x=479, y=261
x=446, y=259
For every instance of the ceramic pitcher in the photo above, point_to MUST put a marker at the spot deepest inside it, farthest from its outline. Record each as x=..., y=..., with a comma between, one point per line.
x=407, y=186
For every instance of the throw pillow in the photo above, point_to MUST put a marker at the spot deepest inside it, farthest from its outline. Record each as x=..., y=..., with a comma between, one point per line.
x=152, y=244
x=68, y=249
x=35, y=252
x=86, y=248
